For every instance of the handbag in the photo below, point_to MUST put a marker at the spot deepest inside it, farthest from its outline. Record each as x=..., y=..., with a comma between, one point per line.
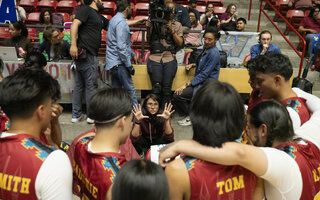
x=302, y=82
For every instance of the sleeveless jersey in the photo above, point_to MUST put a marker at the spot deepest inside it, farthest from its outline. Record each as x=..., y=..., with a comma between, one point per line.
x=95, y=172
x=21, y=157
x=307, y=156
x=219, y=182
x=298, y=104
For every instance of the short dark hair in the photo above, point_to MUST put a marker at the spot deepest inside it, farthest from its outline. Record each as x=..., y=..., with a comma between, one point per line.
x=109, y=104
x=1, y=65
x=217, y=114
x=22, y=92
x=242, y=19
x=271, y=63
x=214, y=31
x=19, y=25
x=34, y=60
x=142, y=179
x=277, y=119
x=312, y=11
x=122, y=5
x=87, y=2
x=41, y=18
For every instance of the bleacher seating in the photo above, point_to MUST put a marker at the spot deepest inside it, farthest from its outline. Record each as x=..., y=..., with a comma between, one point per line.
x=107, y=16
x=66, y=16
x=141, y=9
x=4, y=32
x=282, y=7
x=136, y=40
x=219, y=10
x=29, y=5
x=109, y=8
x=47, y=4
x=32, y=34
x=216, y=3
x=201, y=9
x=33, y=18
x=66, y=6
x=294, y=17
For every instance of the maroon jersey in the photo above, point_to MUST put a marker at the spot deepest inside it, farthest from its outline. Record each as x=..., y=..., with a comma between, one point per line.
x=307, y=156
x=4, y=122
x=95, y=172
x=212, y=181
x=21, y=157
x=298, y=104
x=254, y=99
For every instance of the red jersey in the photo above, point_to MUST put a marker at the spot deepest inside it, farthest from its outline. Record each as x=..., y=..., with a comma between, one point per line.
x=307, y=156
x=212, y=181
x=298, y=104
x=95, y=172
x=21, y=157
x=4, y=122
x=254, y=99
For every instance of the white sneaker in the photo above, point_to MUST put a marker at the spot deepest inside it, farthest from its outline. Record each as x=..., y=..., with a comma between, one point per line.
x=185, y=121
x=90, y=121
x=78, y=119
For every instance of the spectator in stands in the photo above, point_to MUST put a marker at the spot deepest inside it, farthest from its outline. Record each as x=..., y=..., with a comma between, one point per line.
x=162, y=64
x=302, y=4
x=193, y=39
x=264, y=46
x=85, y=42
x=19, y=39
x=241, y=24
x=20, y=11
x=53, y=45
x=207, y=67
x=75, y=9
x=192, y=7
x=142, y=179
x=217, y=115
x=311, y=26
x=229, y=18
x=272, y=74
x=96, y=158
x=26, y=97
x=45, y=20
x=209, y=18
x=181, y=15
x=151, y=125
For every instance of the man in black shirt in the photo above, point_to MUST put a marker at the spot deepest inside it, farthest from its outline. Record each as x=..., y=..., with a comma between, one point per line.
x=87, y=25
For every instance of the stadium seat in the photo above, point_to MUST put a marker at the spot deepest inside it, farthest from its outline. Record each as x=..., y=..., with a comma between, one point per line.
x=33, y=18
x=201, y=2
x=267, y=7
x=146, y=56
x=32, y=34
x=109, y=8
x=136, y=40
x=201, y=9
x=104, y=36
x=47, y=4
x=29, y=5
x=138, y=17
x=216, y=3
x=4, y=32
x=138, y=54
x=107, y=16
x=307, y=12
x=219, y=10
x=66, y=6
x=247, y=58
x=186, y=58
x=282, y=7
x=141, y=9
x=66, y=16
x=294, y=17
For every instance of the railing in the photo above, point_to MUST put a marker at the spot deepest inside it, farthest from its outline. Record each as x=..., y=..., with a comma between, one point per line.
x=249, y=14
x=301, y=55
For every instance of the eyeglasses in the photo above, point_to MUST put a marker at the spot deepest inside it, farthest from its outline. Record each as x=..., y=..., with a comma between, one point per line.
x=152, y=104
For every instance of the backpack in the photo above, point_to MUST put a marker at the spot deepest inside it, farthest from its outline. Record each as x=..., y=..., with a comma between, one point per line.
x=302, y=82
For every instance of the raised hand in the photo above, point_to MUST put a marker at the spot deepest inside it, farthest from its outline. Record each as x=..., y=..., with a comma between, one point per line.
x=138, y=113
x=167, y=112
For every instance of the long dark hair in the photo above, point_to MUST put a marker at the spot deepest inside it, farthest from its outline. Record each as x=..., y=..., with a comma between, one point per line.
x=41, y=18
x=57, y=48
x=19, y=25
x=154, y=119
x=34, y=60
x=141, y=179
x=276, y=117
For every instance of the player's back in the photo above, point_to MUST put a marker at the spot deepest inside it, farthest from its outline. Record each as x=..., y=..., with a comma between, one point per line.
x=212, y=181
x=307, y=156
x=95, y=172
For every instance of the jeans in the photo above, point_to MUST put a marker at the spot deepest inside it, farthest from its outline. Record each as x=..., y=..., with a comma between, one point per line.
x=122, y=79
x=86, y=77
x=309, y=38
x=161, y=76
x=182, y=101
